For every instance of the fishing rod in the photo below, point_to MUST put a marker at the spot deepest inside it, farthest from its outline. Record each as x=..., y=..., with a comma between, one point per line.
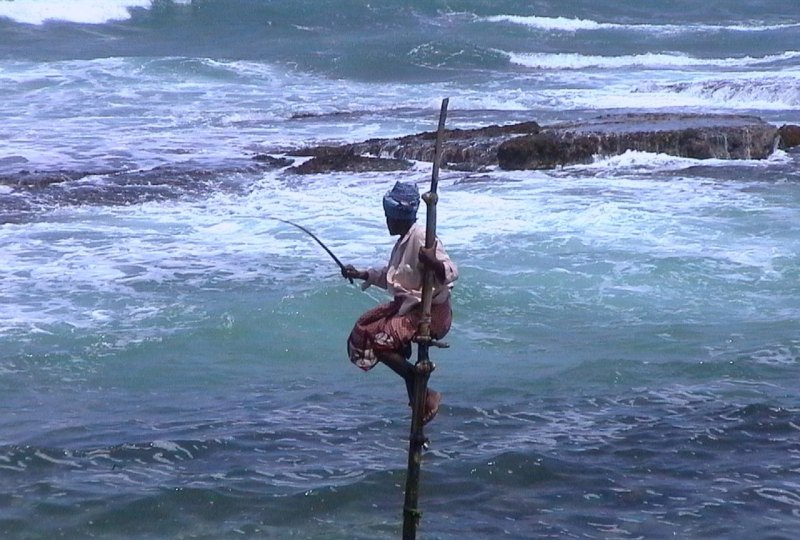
x=314, y=236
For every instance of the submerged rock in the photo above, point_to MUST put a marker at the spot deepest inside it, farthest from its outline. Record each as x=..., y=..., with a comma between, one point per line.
x=30, y=180
x=272, y=161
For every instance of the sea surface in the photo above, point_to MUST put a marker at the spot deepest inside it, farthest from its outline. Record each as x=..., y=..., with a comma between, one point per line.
x=625, y=355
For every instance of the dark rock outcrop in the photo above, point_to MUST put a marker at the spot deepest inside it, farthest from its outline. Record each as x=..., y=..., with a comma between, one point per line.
x=790, y=136
x=272, y=161
x=693, y=136
x=187, y=173
x=29, y=180
x=528, y=145
x=544, y=151
x=467, y=149
x=328, y=159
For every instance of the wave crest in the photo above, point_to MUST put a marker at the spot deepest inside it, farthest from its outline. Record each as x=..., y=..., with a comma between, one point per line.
x=771, y=93
x=566, y=24
x=646, y=60
x=77, y=11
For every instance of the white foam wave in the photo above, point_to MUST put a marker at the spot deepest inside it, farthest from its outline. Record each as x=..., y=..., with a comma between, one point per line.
x=636, y=161
x=139, y=111
x=149, y=107
x=753, y=91
x=104, y=264
x=565, y=24
x=704, y=91
x=647, y=60
x=78, y=11
x=226, y=238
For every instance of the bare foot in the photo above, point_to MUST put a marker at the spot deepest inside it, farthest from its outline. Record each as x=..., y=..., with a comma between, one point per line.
x=432, y=401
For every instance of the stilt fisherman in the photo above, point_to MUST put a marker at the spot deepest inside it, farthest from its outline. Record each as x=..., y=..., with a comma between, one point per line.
x=385, y=333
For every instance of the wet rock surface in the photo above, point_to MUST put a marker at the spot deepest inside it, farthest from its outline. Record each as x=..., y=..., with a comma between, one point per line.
x=44, y=189
x=326, y=159
x=692, y=136
x=468, y=149
x=790, y=136
x=528, y=145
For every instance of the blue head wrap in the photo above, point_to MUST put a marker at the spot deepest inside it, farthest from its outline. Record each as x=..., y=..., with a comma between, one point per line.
x=402, y=201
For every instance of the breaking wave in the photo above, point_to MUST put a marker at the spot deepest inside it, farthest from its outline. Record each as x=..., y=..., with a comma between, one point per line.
x=566, y=24
x=645, y=60
x=77, y=11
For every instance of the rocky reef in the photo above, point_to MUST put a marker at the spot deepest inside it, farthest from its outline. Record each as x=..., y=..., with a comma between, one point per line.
x=528, y=145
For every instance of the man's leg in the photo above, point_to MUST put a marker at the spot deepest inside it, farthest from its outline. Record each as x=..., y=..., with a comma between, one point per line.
x=402, y=367
x=405, y=369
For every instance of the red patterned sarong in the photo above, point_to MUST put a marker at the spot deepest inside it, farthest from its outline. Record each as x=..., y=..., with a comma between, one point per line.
x=381, y=329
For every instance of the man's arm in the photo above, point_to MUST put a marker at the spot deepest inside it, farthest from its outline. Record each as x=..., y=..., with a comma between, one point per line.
x=370, y=276
x=428, y=257
x=349, y=272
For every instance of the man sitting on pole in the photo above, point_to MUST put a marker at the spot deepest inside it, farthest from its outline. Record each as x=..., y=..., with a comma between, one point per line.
x=385, y=333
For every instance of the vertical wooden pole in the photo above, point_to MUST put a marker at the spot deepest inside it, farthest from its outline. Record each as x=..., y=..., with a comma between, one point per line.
x=424, y=366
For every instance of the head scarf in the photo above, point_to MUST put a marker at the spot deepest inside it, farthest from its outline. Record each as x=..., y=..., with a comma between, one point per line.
x=402, y=201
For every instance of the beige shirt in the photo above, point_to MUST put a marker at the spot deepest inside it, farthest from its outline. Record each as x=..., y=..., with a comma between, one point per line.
x=403, y=275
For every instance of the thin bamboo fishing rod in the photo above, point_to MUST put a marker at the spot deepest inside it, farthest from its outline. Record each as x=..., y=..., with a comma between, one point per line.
x=314, y=236
x=423, y=367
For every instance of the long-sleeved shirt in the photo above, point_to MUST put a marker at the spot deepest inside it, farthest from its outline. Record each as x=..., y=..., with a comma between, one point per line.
x=403, y=276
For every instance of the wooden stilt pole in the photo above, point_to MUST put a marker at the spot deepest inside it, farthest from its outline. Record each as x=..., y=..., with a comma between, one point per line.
x=424, y=366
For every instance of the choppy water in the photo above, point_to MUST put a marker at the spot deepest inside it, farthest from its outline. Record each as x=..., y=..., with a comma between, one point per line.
x=625, y=351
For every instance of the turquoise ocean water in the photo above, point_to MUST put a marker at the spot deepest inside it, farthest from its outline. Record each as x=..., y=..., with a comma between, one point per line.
x=625, y=353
